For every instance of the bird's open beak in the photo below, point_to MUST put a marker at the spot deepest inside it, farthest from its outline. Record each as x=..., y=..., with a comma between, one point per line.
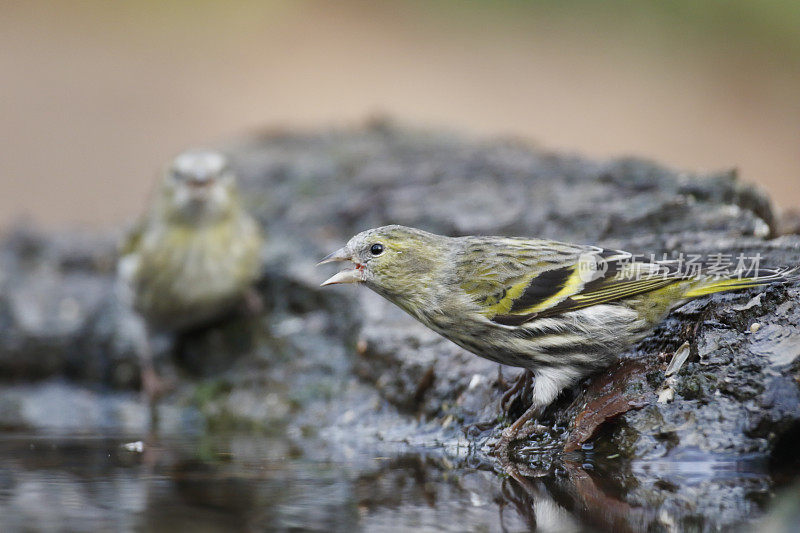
x=199, y=184
x=354, y=275
x=338, y=256
x=345, y=276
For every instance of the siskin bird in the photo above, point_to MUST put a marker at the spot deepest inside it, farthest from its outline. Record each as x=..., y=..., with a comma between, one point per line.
x=561, y=311
x=195, y=254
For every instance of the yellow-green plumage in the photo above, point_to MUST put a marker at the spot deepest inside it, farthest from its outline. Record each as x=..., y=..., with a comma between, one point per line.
x=197, y=251
x=559, y=310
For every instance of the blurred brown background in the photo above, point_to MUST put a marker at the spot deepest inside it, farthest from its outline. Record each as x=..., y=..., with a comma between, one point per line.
x=97, y=95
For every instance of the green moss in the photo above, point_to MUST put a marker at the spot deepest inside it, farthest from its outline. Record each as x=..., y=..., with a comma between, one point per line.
x=210, y=391
x=695, y=387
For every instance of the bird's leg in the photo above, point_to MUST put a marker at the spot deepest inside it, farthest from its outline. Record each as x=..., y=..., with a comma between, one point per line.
x=501, y=380
x=153, y=385
x=546, y=386
x=523, y=382
x=253, y=302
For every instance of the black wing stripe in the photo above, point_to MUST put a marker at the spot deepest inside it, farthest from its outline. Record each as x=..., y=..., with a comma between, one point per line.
x=573, y=305
x=544, y=286
x=512, y=320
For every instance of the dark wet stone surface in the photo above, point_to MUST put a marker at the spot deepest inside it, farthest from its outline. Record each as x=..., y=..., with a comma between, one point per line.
x=340, y=369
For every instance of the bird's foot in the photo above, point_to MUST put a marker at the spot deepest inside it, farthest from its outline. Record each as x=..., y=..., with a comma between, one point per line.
x=522, y=428
x=522, y=383
x=522, y=472
x=512, y=434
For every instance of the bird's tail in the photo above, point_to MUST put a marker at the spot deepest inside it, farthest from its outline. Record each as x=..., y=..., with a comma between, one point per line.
x=735, y=282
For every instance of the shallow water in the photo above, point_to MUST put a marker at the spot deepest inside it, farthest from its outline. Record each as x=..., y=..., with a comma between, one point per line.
x=210, y=484
x=76, y=482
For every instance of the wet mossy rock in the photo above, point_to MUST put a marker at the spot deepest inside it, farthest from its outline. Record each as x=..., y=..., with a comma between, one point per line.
x=345, y=356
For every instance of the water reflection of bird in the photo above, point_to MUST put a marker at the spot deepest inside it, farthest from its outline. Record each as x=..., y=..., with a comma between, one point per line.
x=561, y=311
x=193, y=257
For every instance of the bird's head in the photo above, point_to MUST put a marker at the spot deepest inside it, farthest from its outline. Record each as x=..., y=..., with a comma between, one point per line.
x=198, y=187
x=394, y=261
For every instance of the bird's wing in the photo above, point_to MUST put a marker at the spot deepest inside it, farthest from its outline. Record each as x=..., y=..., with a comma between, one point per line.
x=132, y=238
x=515, y=280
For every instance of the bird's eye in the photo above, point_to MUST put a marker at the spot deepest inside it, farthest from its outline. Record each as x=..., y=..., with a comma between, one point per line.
x=376, y=249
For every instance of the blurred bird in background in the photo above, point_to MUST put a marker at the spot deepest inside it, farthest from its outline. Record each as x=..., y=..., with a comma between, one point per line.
x=191, y=259
x=561, y=311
